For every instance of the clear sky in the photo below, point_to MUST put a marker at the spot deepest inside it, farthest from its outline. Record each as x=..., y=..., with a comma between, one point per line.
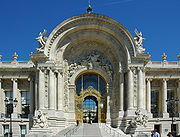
x=22, y=20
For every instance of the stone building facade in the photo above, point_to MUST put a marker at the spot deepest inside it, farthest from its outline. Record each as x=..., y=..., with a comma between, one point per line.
x=89, y=57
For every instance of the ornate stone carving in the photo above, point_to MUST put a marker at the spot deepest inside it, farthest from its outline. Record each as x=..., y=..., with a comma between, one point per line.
x=90, y=61
x=41, y=120
x=42, y=41
x=138, y=41
x=66, y=82
x=139, y=120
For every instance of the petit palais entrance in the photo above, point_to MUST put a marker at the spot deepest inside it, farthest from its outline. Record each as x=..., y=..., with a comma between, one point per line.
x=90, y=98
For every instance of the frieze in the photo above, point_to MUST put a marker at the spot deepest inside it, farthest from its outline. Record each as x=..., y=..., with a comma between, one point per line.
x=91, y=60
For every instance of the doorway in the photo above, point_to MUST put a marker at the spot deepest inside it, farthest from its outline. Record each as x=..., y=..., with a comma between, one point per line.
x=90, y=109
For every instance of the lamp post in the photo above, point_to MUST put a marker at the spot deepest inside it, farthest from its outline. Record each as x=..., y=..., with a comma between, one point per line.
x=172, y=105
x=10, y=104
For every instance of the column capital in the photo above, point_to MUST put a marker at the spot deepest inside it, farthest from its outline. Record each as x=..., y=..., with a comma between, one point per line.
x=148, y=79
x=14, y=79
x=165, y=79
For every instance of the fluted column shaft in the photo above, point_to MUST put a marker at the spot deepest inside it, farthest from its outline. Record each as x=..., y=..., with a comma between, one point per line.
x=60, y=91
x=148, y=95
x=41, y=89
x=164, y=96
x=130, y=90
x=140, y=93
x=51, y=89
x=121, y=95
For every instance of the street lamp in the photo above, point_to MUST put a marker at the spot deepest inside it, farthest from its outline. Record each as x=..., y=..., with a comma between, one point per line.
x=172, y=105
x=9, y=105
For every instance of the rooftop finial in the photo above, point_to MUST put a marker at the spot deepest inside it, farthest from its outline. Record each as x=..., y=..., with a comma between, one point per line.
x=89, y=9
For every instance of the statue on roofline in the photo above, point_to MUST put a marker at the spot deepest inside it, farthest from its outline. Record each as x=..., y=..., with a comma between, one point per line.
x=42, y=41
x=138, y=41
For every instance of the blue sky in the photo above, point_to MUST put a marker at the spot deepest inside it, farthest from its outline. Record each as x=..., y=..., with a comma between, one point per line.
x=22, y=20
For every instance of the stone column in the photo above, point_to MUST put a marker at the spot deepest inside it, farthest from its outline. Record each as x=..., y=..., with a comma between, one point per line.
x=36, y=89
x=130, y=90
x=140, y=93
x=164, y=98
x=31, y=95
x=15, y=95
x=41, y=89
x=148, y=90
x=178, y=96
x=121, y=94
x=60, y=91
x=51, y=89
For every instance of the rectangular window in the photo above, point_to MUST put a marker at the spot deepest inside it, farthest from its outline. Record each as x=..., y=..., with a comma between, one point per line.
x=170, y=95
x=6, y=130
x=154, y=103
x=23, y=130
x=9, y=106
x=25, y=104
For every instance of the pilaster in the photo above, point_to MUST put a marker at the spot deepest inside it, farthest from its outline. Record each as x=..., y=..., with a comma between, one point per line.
x=164, y=98
x=71, y=102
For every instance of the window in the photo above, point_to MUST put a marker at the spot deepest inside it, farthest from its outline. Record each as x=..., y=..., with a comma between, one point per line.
x=23, y=130
x=91, y=80
x=6, y=130
x=154, y=103
x=170, y=108
x=25, y=104
x=8, y=107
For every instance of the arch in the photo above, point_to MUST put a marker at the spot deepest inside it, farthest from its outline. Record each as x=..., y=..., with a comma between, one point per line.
x=99, y=23
x=92, y=80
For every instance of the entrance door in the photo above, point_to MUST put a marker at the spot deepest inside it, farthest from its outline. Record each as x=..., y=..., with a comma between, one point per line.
x=90, y=109
x=90, y=98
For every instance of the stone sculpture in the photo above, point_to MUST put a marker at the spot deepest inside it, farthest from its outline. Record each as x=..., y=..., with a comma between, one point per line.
x=41, y=120
x=42, y=41
x=138, y=41
x=140, y=119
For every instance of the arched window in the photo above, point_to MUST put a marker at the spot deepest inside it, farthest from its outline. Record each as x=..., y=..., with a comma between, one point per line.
x=90, y=80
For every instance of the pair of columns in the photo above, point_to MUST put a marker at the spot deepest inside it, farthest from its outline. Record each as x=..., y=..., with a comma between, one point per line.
x=55, y=90
x=16, y=94
x=140, y=89
x=163, y=97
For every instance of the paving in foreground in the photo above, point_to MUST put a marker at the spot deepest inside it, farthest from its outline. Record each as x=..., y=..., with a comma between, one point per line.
x=90, y=130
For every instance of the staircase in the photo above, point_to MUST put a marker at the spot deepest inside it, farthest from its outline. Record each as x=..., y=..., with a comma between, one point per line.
x=92, y=130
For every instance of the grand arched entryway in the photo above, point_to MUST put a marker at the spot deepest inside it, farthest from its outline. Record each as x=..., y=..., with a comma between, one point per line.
x=91, y=98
